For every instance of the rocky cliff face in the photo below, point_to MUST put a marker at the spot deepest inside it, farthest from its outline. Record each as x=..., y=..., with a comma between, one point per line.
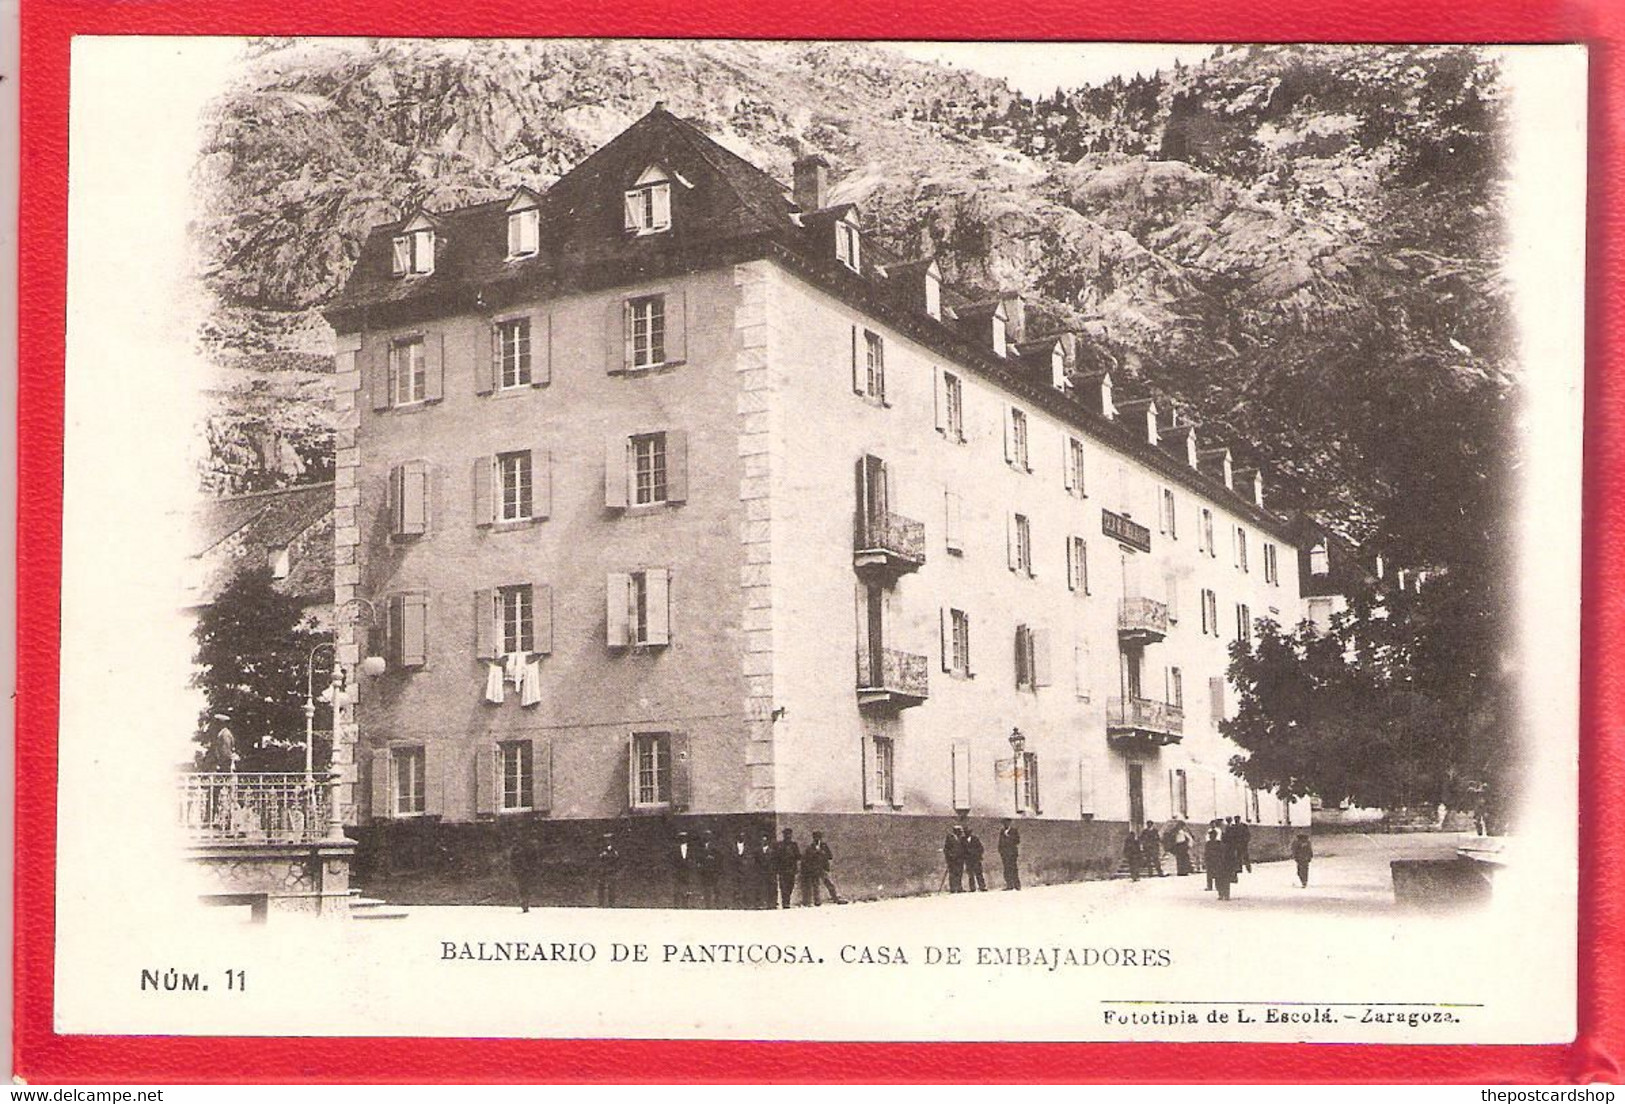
x=1284, y=241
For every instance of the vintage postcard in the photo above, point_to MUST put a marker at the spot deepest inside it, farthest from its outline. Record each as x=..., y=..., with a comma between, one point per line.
x=582, y=538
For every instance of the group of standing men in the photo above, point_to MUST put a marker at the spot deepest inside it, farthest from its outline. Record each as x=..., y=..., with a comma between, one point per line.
x=1226, y=852
x=963, y=851
x=764, y=873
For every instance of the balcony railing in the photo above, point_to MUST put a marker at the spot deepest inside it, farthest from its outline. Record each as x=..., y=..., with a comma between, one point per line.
x=1144, y=720
x=892, y=679
x=888, y=542
x=257, y=808
x=1142, y=620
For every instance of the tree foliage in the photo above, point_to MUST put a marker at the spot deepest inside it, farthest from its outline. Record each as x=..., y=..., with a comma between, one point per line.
x=253, y=644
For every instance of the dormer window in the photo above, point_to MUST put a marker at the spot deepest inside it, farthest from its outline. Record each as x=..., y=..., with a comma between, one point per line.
x=1318, y=561
x=414, y=249
x=847, y=246
x=524, y=228
x=1108, y=408
x=933, y=292
x=277, y=559
x=1057, y=367
x=1000, y=344
x=648, y=203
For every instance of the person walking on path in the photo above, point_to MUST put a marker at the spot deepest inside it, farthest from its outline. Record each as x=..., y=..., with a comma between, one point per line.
x=816, y=861
x=1302, y=852
x=786, y=860
x=1132, y=854
x=1215, y=840
x=708, y=864
x=1010, y=854
x=605, y=870
x=1179, y=843
x=1244, y=846
x=682, y=871
x=973, y=862
x=953, y=851
x=1151, y=850
x=1220, y=858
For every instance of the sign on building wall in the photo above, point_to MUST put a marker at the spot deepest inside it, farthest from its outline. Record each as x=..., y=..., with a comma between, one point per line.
x=1120, y=528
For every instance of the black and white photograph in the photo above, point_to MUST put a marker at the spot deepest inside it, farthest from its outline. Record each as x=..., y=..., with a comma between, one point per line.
x=822, y=540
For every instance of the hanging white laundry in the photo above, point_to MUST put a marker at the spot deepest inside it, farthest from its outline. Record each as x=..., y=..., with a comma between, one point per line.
x=515, y=667
x=493, y=683
x=530, y=688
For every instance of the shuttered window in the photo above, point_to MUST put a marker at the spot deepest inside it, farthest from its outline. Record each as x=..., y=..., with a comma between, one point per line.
x=523, y=232
x=638, y=608
x=407, y=628
x=512, y=352
x=409, y=768
x=408, y=499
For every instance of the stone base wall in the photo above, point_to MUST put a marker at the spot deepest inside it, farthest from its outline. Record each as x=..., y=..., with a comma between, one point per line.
x=428, y=863
x=293, y=878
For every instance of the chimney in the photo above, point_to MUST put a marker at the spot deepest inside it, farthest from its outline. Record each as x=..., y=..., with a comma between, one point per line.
x=812, y=183
x=1015, y=316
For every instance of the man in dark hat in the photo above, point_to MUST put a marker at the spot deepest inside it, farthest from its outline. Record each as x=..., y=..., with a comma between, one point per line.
x=953, y=850
x=815, y=863
x=741, y=867
x=786, y=861
x=606, y=869
x=973, y=862
x=1151, y=850
x=708, y=864
x=764, y=876
x=682, y=868
x=526, y=858
x=1010, y=854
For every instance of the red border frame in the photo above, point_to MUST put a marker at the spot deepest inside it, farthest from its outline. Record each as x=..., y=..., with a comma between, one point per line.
x=40, y=1055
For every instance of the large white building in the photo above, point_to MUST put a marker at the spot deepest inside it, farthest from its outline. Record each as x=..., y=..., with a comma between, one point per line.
x=751, y=525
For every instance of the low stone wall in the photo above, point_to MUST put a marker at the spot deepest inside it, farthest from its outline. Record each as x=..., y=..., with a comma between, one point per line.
x=309, y=878
x=425, y=862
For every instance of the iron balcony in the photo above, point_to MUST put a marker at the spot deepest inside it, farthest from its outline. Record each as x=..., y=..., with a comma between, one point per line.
x=891, y=679
x=887, y=545
x=1141, y=620
x=1143, y=722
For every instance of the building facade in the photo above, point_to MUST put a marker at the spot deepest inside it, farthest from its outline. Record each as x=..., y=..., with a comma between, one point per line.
x=688, y=508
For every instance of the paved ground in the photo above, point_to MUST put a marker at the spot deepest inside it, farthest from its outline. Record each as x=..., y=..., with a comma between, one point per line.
x=1349, y=876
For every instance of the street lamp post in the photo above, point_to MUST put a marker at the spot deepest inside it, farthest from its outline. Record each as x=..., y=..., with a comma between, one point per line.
x=1018, y=744
x=337, y=683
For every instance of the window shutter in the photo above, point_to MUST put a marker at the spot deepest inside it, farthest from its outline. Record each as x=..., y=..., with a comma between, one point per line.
x=939, y=401
x=632, y=771
x=661, y=194
x=617, y=588
x=381, y=783
x=435, y=760
x=486, y=757
x=945, y=622
x=1009, y=434
x=541, y=483
x=425, y=251
x=541, y=349
x=414, y=498
x=376, y=355
x=400, y=255
x=1172, y=595
x=617, y=336
x=393, y=620
x=516, y=237
x=1080, y=670
x=961, y=774
x=541, y=775
x=487, y=360
x=969, y=667
x=1215, y=690
x=485, y=624
x=1086, y=788
x=1032, y=767
x=677, y=465
x=484, y=499
x=676, y=326
x=392, y=500
x=659, y=597
x=434, y=367
x=615, y=490
x=1066, y=463
x=682, y=795
x=414, y=629
x=870, y=798
x=633, y=209
x=1071, y=563
x=859, y=380
x=542, y=618
x=1010, y=539
x=1173, y=796
x=1021, y=656
x=951, y=525
x=1039, y=639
